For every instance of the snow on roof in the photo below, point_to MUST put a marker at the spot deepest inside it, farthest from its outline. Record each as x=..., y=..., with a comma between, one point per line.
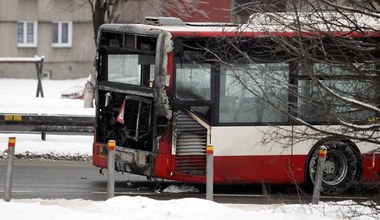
x=269, y=22
x=314, y=21
x=34, y=59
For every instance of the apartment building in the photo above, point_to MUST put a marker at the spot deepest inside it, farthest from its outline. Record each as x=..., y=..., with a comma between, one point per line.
x=59, y=30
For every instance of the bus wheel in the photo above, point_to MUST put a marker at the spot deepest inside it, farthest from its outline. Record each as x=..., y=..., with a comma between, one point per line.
x=340, y=169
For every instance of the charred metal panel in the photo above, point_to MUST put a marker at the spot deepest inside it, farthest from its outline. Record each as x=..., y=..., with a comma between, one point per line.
x=162, y=77
x=142, y=124
x=124, y=29
x=133, y=161
x=135, y=130
x=126, y=89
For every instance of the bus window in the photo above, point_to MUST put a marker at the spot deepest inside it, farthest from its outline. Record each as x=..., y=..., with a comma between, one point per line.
x=241, y=93
x=193, y=82
x=315, y=103
x=130, y=68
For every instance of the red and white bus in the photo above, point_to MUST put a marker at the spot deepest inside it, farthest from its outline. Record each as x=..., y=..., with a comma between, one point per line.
x=164, y=93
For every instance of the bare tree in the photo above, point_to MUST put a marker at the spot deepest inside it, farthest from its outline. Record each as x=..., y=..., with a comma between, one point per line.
x=183, y=9
x=104, y=11
x=332, y=79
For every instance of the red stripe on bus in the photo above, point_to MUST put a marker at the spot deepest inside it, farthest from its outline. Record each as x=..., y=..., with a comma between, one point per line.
x=246, y=169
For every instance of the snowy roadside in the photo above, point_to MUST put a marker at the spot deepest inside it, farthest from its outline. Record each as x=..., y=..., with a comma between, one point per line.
x=56, y=147
x=125, y=207
x=18, y=96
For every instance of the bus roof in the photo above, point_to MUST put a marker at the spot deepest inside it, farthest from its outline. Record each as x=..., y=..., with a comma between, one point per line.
x=263, y=24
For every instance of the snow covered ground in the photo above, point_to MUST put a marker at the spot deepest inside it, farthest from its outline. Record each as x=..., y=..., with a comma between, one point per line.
x=18, y=96
x=125, y=207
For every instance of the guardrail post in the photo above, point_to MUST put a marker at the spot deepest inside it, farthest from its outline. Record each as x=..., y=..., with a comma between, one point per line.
x=39, y=68
x=111, y=169
x=9, y=172
x=210, y=172
x=43, y=136
x=319, y=175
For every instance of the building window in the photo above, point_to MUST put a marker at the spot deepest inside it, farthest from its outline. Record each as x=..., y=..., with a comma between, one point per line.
x=27, y=34
x=61, y=34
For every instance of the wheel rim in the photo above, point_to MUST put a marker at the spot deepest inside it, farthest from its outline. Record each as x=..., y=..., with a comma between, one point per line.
x=340, y=168
x=335, y=168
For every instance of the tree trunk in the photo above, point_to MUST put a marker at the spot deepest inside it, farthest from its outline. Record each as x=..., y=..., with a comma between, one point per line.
x=98, y=17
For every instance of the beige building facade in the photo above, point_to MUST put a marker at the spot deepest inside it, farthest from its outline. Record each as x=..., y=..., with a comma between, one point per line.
x=59, y=30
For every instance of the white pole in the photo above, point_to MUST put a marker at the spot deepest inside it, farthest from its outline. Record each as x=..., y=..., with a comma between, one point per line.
x=9, y=172
x=210, y=172
x=319, y=175
x=111, y=169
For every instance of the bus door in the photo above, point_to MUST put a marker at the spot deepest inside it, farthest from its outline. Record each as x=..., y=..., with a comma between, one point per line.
x=192, y=108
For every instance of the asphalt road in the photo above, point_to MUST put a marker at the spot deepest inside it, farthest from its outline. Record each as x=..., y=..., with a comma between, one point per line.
x=81, y=180
x=62, y=179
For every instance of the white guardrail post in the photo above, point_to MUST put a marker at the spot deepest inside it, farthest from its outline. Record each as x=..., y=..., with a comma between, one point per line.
x=9, y=172
x=111, y=169
x=319, y=175
x=210, y=172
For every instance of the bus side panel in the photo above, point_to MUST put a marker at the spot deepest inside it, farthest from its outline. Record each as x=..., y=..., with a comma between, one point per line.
x=246, y=169
x=371, y=167
x=255, y=169
x=162, y=164
x=247, y=154
x=162, y=161
x=99, y=155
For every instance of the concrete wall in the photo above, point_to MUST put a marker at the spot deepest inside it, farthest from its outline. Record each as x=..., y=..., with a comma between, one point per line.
x=63, y=63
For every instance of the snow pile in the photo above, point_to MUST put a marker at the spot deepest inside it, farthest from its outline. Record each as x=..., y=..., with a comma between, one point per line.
x=56, y=147
x=180, y=189
x=332, y=210
x=125, y=207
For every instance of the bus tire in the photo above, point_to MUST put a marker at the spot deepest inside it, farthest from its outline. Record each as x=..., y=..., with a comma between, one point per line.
x=340, y=168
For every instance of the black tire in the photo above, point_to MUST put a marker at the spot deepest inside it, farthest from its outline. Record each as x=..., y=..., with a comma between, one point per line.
x=340, y=169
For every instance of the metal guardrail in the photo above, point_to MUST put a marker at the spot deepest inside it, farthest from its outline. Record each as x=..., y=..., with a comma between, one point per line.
x=43, y=123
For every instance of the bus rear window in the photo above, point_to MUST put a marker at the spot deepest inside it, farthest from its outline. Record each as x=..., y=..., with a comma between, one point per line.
x=130, y=68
